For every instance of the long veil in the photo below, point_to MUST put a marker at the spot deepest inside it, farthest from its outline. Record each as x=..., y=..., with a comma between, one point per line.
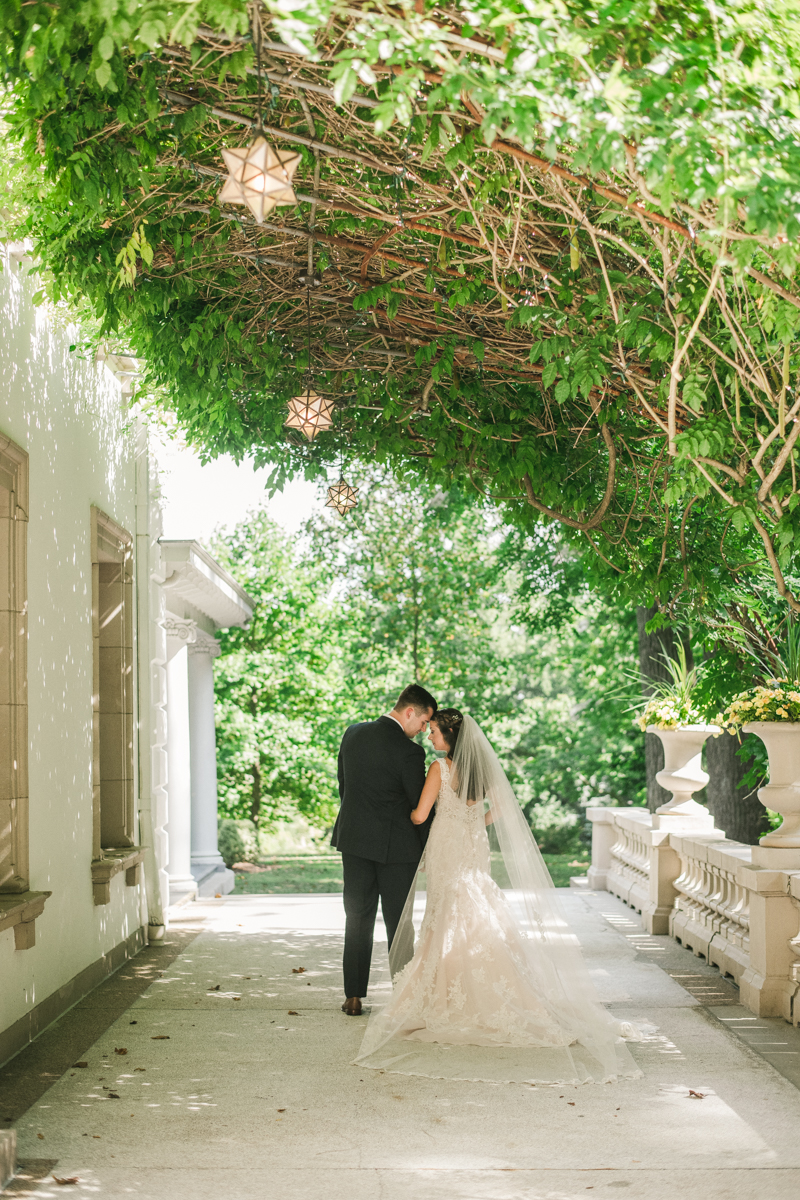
x=593, y=1046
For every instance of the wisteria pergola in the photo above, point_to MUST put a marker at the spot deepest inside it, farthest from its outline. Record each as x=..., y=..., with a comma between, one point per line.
x=585, y=322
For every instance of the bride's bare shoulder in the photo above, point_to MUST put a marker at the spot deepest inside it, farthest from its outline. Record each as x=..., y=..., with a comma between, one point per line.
x=434, y=770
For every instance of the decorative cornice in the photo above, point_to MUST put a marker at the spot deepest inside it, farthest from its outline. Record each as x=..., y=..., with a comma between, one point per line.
x=192, y=576
x=182, y=631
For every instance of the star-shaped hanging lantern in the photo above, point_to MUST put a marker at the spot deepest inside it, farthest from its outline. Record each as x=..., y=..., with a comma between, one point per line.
x=310, y=413
x=342, y=496
x=259, y=177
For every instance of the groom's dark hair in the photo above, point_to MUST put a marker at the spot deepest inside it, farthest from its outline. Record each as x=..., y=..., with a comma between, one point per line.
x=415, y=697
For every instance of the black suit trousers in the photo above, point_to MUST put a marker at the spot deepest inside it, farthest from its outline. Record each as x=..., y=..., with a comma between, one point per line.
x=364, y=882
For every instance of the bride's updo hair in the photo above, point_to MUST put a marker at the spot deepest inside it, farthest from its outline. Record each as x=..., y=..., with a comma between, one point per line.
x=449, y=721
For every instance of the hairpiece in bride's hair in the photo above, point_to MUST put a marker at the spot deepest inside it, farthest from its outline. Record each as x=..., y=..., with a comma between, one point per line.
x=449, y=721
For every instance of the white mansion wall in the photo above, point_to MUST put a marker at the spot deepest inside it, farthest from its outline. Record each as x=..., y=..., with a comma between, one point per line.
x=69, y=416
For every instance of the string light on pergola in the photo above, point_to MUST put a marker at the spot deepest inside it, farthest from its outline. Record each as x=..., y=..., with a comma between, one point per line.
x=310, y=412
x=258, y=175
x=342, y=496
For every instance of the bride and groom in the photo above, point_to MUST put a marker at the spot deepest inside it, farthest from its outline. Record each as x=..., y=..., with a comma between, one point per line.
x=493, y=985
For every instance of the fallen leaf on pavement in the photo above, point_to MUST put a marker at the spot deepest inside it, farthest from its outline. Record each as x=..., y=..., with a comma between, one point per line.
x=80, y=1064
x=160, y=1037
x=292, y=1013
x=71, y=1179
x=140, y=1068
x=120, y=1050
x=696, y=1095
x=113, y=1095
x=216, y=988
x=40, y=1136
x=217, y=895
x=298, y=970
x=281, y=1110
x=571, y=1103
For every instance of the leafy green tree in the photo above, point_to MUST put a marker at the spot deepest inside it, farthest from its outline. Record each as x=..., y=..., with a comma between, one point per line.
x=415, y=589
x=277, y=684
x=415, y=585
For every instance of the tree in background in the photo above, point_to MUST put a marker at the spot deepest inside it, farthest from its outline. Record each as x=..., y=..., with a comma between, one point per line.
x=276, y=684
x=416, y=584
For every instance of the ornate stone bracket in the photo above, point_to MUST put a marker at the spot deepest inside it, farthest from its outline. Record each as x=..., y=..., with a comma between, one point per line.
x=204, y=643
x=110, y=863
x=182, y=631
x=21, y=911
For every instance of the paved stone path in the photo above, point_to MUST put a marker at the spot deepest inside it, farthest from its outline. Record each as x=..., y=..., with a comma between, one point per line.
x=238, y=1083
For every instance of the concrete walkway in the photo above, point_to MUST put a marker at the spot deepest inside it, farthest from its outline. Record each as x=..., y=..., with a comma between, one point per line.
x=238, y=1082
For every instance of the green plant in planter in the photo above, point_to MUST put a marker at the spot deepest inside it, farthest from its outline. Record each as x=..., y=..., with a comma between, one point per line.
x=672, y=704
x=778, y=697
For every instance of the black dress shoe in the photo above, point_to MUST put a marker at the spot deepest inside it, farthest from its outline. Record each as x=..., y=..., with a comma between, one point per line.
x=352, y=1006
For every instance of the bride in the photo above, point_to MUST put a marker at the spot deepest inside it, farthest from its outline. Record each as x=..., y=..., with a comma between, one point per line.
x=496, y=989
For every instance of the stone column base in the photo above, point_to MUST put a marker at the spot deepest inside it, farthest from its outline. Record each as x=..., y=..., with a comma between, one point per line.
x=182, y=889
x=767, y=996
x=213, y=878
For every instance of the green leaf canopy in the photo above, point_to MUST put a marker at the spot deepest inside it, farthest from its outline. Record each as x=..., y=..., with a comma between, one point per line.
x=556, y=248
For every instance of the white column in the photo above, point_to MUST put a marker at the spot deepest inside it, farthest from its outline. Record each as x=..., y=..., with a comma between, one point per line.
x=179, y=803
x=203, y=748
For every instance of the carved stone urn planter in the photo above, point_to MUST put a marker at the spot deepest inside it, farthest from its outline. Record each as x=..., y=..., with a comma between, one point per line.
x=782, y=793
x=683, y=776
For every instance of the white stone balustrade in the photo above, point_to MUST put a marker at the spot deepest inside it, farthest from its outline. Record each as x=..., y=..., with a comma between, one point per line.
x=629, y=870
x=712, y=895
x=711, y=913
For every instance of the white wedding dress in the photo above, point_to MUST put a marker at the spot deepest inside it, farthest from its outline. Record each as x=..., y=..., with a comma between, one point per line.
x=496, y=989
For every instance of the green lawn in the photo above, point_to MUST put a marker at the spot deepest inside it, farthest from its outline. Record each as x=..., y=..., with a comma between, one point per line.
x=323, y=873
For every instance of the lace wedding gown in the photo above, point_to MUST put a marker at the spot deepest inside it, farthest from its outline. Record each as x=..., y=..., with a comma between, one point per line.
x=483, y=998
x=468, y=980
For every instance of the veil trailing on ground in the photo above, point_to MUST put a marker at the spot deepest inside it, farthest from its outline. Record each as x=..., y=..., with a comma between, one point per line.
x=593, y=1048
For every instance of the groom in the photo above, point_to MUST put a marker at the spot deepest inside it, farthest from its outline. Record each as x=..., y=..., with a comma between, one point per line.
x=381, y=775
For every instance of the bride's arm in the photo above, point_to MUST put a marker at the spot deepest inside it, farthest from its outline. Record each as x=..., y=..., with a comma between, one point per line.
x=429, y=793
x=489, y=818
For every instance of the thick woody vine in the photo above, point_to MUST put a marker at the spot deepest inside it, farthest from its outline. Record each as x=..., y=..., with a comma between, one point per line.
x=484, y=306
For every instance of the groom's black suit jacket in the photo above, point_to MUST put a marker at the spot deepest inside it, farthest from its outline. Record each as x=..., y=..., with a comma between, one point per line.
x=381, y=775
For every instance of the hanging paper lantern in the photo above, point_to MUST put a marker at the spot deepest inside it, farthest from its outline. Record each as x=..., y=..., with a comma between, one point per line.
x=311, y=413
x=259, y=177
x=342, y=496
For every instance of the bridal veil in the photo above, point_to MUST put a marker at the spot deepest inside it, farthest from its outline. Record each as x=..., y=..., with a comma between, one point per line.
x=592, y=1043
